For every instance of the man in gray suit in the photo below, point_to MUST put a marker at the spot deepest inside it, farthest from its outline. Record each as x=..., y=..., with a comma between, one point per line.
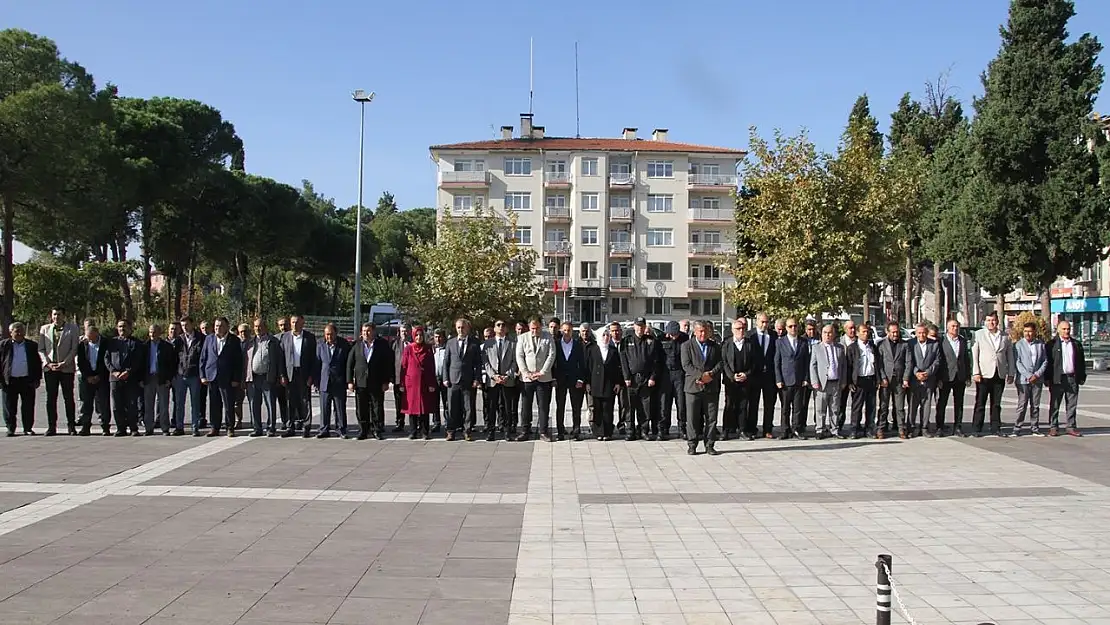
x=1031, y=360
x=499, y=361
x=58, y=350
x=701, y=362
x=462, y=372
x=535, y=357
x=922, y=363
x=828, y=375
x=892, y=356
x=992, y=369
x=264, y=370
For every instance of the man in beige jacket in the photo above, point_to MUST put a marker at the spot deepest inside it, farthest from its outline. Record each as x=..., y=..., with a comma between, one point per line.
x=58, y=350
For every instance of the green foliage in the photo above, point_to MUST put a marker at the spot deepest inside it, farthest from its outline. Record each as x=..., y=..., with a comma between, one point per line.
x=1017, y=326
x=89, y=291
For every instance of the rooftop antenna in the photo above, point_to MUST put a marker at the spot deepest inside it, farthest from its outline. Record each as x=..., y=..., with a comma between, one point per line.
x=529, y=75
x=577, y=115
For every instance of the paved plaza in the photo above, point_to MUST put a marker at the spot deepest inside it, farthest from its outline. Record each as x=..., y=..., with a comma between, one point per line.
x=183, y=530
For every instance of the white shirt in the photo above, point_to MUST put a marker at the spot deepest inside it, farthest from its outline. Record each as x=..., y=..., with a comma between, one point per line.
x=604, y=347
x=567, y=347
x=297, y=340
x=924, y=348
x=94, y=351
x=834, y=366
x=220, y=344
x=153, y=357
x=1067, y=355
x=866, y=359
x=995, y=338
x=368, y=350
x=739, y=344
x=19, y=360
x=793, y=342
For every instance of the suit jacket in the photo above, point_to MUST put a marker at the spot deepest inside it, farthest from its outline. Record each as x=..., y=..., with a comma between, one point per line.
x=929, y=363
x=65, y=352
x=376, y=373
x=463, y=368
x=125, y=355
x=792, y=363
x=221, y=367
x=763, y=362
x=893, y=358
x=277, y=359
x=90, y=369
x=819, y=365
x=956, y=367
x=535, y=355
x=167, y=361
x=852, y=355
x=737, y=360
x=987, y=361
x=34, y=364
x=694, y=366
x=398, y=347
x=310, y=366
x=1056, y=362
x=605, y=373
x=333, y=367
x=569, y=371
x=505, y=364
x=188, y=357
x=1027, y=365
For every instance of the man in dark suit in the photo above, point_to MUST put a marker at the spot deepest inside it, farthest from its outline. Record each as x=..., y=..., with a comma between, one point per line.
x=864, y=374
x=892, y=356
x=674, y=380
x=187, y=383
x=499, y=360
x=792, y=380
x=952, y=378
x=126, y=363
x=922, y=363
x=369, y=373
x=736, y=353
x=263, y=371
x=20, y=375
x=1067, y=371
x=92, y=386
x=301, y=366
x=761, y=382
x=606, y=383
x=701, y=360
x=570, y=379
x=404, y=337
x=221, y=367
x=332, y=356
x=160, y=370
x=642, y=360
x=462, y=372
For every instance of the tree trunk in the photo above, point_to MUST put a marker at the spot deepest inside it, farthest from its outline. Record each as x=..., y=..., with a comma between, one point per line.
x=964, y=299
x=124, y=286
x=7, y=272
x=1000, y=307
x=258, y=296
x=147, y=226
x=867, y=304
x=191, y=286
x=907, y=292
x=938, y=312
x=1046, y=307
x=167, y=291
x=177, y=293
x=334, y=296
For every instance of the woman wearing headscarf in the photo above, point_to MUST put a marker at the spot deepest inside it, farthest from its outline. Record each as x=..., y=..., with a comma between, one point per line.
x=418, y=379
x=606, y=379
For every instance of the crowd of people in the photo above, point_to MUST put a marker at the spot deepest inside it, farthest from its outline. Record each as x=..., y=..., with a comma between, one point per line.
x=628, y=386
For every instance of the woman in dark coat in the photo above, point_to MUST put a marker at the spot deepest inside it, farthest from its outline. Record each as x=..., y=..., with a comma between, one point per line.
x=604, y=364
x=418, y=380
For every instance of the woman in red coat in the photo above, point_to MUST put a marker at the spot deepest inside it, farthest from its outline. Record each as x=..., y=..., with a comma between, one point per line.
x=418, y=381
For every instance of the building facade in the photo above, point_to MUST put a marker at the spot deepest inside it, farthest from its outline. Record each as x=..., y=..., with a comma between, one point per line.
x=625, y=227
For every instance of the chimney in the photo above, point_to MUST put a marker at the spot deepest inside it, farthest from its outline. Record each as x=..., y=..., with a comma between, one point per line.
x=525, y=125
x=537, y=132
x=659, y=134
x=506, y=133
x=630, y=134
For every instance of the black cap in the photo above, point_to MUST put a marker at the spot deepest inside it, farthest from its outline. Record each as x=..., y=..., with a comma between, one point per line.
x=640, y=321
x=673, y=328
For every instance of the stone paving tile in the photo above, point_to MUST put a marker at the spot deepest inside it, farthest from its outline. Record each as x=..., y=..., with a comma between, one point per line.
x=80, y=460
x=11, y=501
x=825, y=496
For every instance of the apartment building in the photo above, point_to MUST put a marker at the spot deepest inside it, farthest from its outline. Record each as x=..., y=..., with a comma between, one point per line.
x=625, y=226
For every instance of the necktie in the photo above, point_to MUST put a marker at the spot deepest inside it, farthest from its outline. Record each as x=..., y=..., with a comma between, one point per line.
x=500, y=350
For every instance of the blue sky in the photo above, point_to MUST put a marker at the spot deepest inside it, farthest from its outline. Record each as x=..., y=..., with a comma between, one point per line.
x=449, y=71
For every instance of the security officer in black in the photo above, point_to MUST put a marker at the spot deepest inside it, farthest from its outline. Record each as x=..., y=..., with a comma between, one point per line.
x=642, y=362
x=671, y=391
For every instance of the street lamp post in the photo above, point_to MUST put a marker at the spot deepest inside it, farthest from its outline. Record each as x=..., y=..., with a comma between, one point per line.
x=363, y=99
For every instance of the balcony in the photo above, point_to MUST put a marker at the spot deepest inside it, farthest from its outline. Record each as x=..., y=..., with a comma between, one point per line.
x=559, y=180
x=722, y=215
x=706, y=284
x=620, y=248
x=620, y=213
x=621, y=180
x=556, y=248
x=549, y=281
x=590, y=283
x=464, y=179
x=556, y=213
x=711, y=182
x=709, y=249
x=620, y=283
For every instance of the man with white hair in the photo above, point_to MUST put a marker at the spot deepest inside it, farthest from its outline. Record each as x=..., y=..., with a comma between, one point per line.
x=20, y=374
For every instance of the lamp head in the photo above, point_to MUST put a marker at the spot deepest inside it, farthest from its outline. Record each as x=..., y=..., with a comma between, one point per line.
x=361, y=96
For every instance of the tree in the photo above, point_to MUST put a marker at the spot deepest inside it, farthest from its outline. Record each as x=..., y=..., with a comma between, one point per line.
x=1034, y=186
x=46, y=104
x=475, y=270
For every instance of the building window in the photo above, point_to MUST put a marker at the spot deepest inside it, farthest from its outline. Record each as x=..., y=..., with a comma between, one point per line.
x=589, y=270
x=556, y=234
x=589, y=236
x=659, y=272
x=464, y=203
x=706, y=169
x=619, y=168
x=620, y=235
x=711, y=237
x=660, y=203
x=556, y=167
x=660, y=237
x=518, y=201
x=709, y=272
x=620, y=201
x=705, y=202
x=658, y=306
x=589, y=202
x=523, y=235
x=705, y=307
x=618, y=306
x=556, y=201
x=470, y=164
x=518, y=167
x=589, y=167
x=660, y=169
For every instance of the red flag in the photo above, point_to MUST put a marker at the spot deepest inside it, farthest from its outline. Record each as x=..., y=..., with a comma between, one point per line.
x=556, y=285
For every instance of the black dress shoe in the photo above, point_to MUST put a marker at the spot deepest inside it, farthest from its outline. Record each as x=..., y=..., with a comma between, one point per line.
x=398, y=429
x=523, y=437
x=72, y=431
x=198, y=433
x=379, y=436
x=691, y=451
x=212, y=434
x=307, y=434
x=362, y=436
x=106, y=433
x=30, y=433
x=415, y=434
x=712, y=451
x=11, y=434
x=118, y=433
x=257, y=433
x=136, y=433
x=560, y=437
x=84, y=432
x=545, y=438
x=149, y=433
x=664, y=437
x=231, y=432
x=785, y=436
x=491, y=436
x=51, y=433
x=287, y=433
x=801, y=436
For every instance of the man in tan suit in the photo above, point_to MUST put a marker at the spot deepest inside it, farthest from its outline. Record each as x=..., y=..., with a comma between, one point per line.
x=535, y=357
x=58, y=351
x=992, y=369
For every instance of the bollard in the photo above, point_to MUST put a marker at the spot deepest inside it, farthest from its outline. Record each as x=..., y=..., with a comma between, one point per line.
x=882, y=590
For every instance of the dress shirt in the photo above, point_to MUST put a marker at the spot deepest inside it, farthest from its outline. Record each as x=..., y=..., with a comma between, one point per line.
x=1067, y=356
x=762, y=341
x=924, y=349
x=94, y=352
x=220, y=342
x=866, y=359
x=462, y=344
x=368, y=351
x=793, y=342
x=739, y=344
x=19, y=360
x=604, y=347
x=55, y=333
x=297, y=340
x=833, y=373
x=567, y=347
x=153, y=357
x=955, y=343
x=500, y=348
x=439, y=354
x=704, y=350
x=995, y=338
